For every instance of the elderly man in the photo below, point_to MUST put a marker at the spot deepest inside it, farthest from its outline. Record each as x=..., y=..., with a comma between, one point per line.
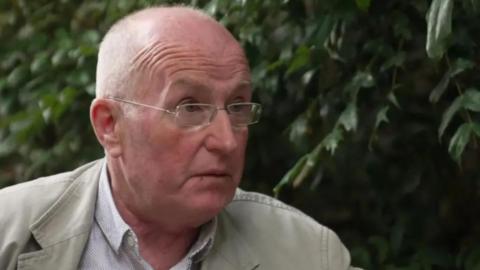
x=172, y=112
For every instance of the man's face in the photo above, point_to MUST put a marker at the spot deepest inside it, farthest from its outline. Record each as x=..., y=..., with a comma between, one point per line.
x=185, y=175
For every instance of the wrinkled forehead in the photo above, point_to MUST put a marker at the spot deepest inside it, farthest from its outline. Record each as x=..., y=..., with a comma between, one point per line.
x=179, y=44
x=188, y=28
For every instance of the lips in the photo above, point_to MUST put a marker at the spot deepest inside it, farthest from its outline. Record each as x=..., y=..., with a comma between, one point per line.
x=213, y=173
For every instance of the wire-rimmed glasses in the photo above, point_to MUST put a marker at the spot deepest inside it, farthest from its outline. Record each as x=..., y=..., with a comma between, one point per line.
x=241, y=114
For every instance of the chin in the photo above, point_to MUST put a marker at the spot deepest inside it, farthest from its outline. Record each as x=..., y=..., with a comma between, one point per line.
x=212, y=203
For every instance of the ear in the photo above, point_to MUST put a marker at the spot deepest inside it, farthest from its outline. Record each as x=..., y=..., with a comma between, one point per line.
x=104, y=119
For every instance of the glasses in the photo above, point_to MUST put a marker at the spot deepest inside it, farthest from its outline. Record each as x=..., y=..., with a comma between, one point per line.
x=241, y=114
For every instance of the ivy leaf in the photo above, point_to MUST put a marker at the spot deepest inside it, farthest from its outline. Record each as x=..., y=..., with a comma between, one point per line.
x=381, y=116
x=448, y=115
x=393, y=98
x=396, y=60
x=476, y=128
x=459, y=66
x=438, y=91
x=471, y=100
x=288, y=178
x=348, y=119
x=300, y=60
x=17, y=76
x=298, y=129
x=312, y=161
x=459, y=141
x=331, y=141
x=40, y=63
x=360, y=80
x=439, y=25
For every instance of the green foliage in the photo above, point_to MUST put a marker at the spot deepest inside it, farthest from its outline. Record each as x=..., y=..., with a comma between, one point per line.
x=371, y=112
x=439, y=24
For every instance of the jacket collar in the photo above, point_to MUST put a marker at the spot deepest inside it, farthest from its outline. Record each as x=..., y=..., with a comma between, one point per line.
x=62, y=231
x=230, y=250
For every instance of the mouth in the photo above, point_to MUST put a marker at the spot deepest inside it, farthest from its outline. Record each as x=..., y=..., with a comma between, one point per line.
x=214, y=173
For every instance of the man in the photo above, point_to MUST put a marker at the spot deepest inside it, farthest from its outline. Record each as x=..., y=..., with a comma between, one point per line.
x=172, y=110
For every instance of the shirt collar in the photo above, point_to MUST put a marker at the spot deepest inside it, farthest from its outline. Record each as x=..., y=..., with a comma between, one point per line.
x=109, y=220
x=114, y=227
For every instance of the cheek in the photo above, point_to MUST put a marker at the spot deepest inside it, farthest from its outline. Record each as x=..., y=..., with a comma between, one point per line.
x=242, y=138
x=167, y=149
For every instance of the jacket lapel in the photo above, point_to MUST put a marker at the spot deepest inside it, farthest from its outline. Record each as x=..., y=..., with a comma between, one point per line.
x=63, y=230
x=230, y=251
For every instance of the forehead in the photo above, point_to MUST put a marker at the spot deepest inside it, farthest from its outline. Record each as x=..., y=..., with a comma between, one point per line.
x=191, y=49
x=177, y=66
x=170, y=58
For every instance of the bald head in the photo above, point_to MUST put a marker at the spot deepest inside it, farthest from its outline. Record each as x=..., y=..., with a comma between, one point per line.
x=133, y=47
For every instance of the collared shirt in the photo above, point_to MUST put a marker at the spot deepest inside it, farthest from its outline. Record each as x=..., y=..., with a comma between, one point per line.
x=112, y=243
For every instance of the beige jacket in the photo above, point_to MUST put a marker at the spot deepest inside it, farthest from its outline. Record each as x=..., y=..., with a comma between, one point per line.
x=45, y=224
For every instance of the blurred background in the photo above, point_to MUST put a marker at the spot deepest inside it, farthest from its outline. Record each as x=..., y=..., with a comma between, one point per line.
x=371, y=112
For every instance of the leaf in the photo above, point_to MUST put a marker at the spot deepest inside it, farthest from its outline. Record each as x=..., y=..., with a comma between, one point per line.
x=471, y=100
x=290, y=175
x=360, y=80
x=40, y=63
x=460, y=65
x=312, y=161
x=324, y=28
x=66, y=98
x=7, y=147
x=439, y=27
x=17, y=76
x=459, y=141
x=448, y=115
x=307, y=76
x=331, y=141
x=476, y=128
x=59, y=58
x=381, y=116
x=438, y=91
x=300, y=60
x=393, y=99
x=396, y=60
x=298, y=129
x=348, y=119
x=363, y=4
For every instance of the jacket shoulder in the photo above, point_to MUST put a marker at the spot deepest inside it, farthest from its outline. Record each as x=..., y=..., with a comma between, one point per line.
x=284, y=236
x=24, y=204
x=35, y=193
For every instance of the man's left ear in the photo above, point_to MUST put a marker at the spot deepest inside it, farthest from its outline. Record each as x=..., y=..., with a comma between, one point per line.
x=104, y=118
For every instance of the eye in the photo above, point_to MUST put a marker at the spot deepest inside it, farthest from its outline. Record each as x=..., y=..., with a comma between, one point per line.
x=239, y=108
x=192, y=107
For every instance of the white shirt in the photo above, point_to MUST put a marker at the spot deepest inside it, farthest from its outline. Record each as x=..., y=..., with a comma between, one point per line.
x=113, y=244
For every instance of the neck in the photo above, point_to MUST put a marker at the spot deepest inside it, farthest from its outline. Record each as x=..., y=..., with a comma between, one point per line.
x=160, y=246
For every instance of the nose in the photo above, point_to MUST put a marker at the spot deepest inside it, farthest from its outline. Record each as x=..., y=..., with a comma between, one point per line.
x=221, y=135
